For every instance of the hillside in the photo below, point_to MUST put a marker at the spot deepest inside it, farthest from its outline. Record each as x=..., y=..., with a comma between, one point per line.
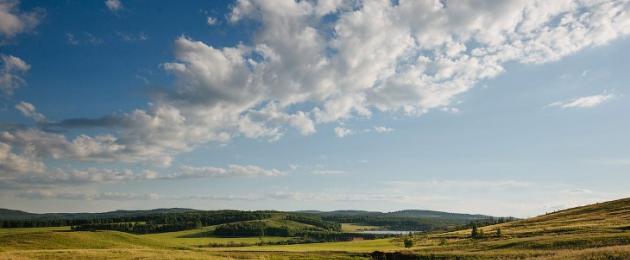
x=9, y=214
x=600, y=228
x=181, y=219
x=413, y=213
x=598, y=231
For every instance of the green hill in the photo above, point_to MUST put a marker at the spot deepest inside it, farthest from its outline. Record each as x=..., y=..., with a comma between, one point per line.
x=598, y=231
x=9, y=214
x=601, y=229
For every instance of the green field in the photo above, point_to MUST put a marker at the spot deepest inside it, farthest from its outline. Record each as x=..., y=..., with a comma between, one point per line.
x=600, y=231
x=350, y=227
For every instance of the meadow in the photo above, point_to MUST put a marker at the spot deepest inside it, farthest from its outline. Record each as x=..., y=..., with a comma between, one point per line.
x=599, y=231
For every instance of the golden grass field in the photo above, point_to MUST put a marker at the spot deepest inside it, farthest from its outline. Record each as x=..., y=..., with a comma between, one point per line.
x=599, y=231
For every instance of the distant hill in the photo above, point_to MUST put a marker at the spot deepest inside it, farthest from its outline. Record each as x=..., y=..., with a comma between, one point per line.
x=9, y=214
x=411, y=213
x=182, y=218
x=435, y=214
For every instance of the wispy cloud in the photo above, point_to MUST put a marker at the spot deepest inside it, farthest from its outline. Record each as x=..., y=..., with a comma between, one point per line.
x=63, y=195
x=83, y=38
x=11, y=73
x=342, y=132
x=328, y=172
x=190, y=172
x=132, y=37
x=212, y=21
x=29, y=110
x=114, y=5
x=24, y=170
x=583, y=102
x=383, y=129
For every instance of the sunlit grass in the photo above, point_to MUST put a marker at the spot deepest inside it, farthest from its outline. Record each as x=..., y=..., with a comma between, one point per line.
x=600, y=231
x=350, y=227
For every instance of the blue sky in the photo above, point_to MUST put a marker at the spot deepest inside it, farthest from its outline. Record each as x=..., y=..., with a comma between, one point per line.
x=517, y=108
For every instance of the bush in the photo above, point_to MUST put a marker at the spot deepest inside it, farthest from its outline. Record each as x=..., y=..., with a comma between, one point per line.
x=408, y=242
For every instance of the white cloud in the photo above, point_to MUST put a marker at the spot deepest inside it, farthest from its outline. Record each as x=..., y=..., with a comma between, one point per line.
x=26, y=170
x=190, y=172
x=212, y=21
x=457, y=184
x=83, y=38
x=13, y=21
x=328, y=172
x=113, y=5
x=378, y=56
x=72, y=40
x=132, y=37
x=383, y=129
x=303, y=68
x=470, y=196
x=583, y=102
x=62, y=195
x=28, y=110
x=10, y=73
x=16, y=164
x=342, y=132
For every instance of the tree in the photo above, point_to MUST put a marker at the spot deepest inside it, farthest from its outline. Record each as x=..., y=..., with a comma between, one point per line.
x=408, y=242
x=475, y=232
x=498, y=232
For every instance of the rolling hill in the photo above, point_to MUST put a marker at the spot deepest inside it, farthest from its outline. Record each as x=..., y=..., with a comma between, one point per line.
x=9, y=214
x=598, y=231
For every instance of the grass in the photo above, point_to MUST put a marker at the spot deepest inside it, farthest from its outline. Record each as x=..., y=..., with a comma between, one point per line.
x=599, y=231
x=349, y=227
x=202, y=238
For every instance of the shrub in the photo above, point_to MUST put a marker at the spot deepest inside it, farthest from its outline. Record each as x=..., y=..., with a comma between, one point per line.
x=408, y=242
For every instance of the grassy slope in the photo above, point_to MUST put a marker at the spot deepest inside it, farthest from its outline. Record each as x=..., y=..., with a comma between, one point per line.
x=202, y=237
x=589, y=229
x=350, y=227
x=597, y=231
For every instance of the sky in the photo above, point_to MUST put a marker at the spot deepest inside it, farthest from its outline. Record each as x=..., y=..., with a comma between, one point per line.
x=506, y=108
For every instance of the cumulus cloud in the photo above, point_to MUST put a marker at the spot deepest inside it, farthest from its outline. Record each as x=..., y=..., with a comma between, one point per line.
x=16, y=164
x=11, y=73
x=411, y=57
x=14, y=21
x=583, y=102
x=319, y=62
x=28, y=110
x=114, y=5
